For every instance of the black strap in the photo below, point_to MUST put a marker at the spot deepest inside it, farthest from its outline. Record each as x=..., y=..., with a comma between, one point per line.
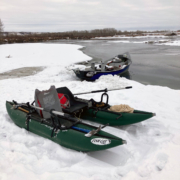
x=95, y=112
x=119, y=116
x=55, y=119
x=55, y=122
x=15, y=102
x=28, y=117
x=52, y=133
x=31, y=109
x=33, y=103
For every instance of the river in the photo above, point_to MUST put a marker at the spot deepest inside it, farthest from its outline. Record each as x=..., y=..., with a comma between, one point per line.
x=152, y=64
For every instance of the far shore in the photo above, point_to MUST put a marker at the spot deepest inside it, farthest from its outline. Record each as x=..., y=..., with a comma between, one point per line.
x=30, y=37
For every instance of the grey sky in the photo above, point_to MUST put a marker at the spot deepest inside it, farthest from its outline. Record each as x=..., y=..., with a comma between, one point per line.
x=65, y=15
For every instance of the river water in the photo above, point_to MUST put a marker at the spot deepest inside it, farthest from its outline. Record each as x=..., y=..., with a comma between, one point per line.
x=152, y=64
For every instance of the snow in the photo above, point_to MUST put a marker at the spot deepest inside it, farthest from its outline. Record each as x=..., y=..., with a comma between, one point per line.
x=153, y=146
x=78, y=66
x=171, y=43
x=159, y=42
x=30, y=55
x=118, y=41
x=153, y=39
x=134, y=37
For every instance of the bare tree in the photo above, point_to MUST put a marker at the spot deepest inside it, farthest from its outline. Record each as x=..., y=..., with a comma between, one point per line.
x=1, y=28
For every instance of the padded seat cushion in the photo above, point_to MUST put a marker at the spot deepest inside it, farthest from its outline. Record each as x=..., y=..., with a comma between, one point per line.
x=75, y=107
x=74, y=104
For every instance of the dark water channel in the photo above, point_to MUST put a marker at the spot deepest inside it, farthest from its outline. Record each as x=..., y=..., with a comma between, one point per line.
x=152, y=64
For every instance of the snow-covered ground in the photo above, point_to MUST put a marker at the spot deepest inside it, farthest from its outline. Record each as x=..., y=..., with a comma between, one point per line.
x=128, y=37
x=152, y=39
x=153, y=146
x=135, y=37
x=30, y=55
x=160, y=42
x=170, y=43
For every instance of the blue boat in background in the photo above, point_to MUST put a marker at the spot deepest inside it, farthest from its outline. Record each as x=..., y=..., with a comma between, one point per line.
x=116, y=66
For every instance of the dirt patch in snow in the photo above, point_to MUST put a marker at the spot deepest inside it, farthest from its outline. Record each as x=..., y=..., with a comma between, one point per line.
x=21, y=72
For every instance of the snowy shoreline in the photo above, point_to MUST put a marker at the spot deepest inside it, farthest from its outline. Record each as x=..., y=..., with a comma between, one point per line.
x=151, y=39
x=155, y=42
x=153, y=146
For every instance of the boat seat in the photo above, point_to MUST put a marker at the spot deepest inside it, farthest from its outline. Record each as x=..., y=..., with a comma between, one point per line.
x=75, y=105
x=48, y=100
x=122, y=57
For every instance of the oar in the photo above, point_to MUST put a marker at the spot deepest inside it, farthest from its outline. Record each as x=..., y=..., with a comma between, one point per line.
x=89, y=132
x=18, y=106
x=103, y=90
x=47, y=110
x=93, y=132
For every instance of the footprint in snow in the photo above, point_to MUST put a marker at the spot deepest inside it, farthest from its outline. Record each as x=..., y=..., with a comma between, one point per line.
x=161, y=161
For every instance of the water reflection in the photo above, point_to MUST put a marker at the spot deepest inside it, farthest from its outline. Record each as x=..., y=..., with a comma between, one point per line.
x=127, y=75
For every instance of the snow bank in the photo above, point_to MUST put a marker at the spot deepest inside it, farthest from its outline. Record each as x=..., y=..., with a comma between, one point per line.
x=128, y=37
x=153, y=146
x=171, y=43
x=27, y=55
x=159, y=42
x=118, y=41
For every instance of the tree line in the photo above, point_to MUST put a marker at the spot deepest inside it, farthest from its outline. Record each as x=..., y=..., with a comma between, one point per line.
x=7, y=37
x=1, y=28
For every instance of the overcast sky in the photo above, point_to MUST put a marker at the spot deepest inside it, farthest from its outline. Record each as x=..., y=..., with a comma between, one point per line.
x=66, y=15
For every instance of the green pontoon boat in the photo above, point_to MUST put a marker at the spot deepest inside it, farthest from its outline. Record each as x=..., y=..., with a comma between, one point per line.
x=46, y=120
x=98, y=111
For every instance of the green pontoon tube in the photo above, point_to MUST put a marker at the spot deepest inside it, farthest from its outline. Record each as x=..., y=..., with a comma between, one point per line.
x=98, y=111
x=59, y=127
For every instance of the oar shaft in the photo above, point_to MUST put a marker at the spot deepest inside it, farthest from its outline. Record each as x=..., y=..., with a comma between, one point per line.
x=128, y=87
x=42, y=109
x=103, y=90
x=90, y=92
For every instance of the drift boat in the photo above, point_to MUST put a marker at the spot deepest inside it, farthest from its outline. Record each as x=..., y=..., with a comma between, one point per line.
x=116, y=66
x=98, y=111
x=58, y=127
